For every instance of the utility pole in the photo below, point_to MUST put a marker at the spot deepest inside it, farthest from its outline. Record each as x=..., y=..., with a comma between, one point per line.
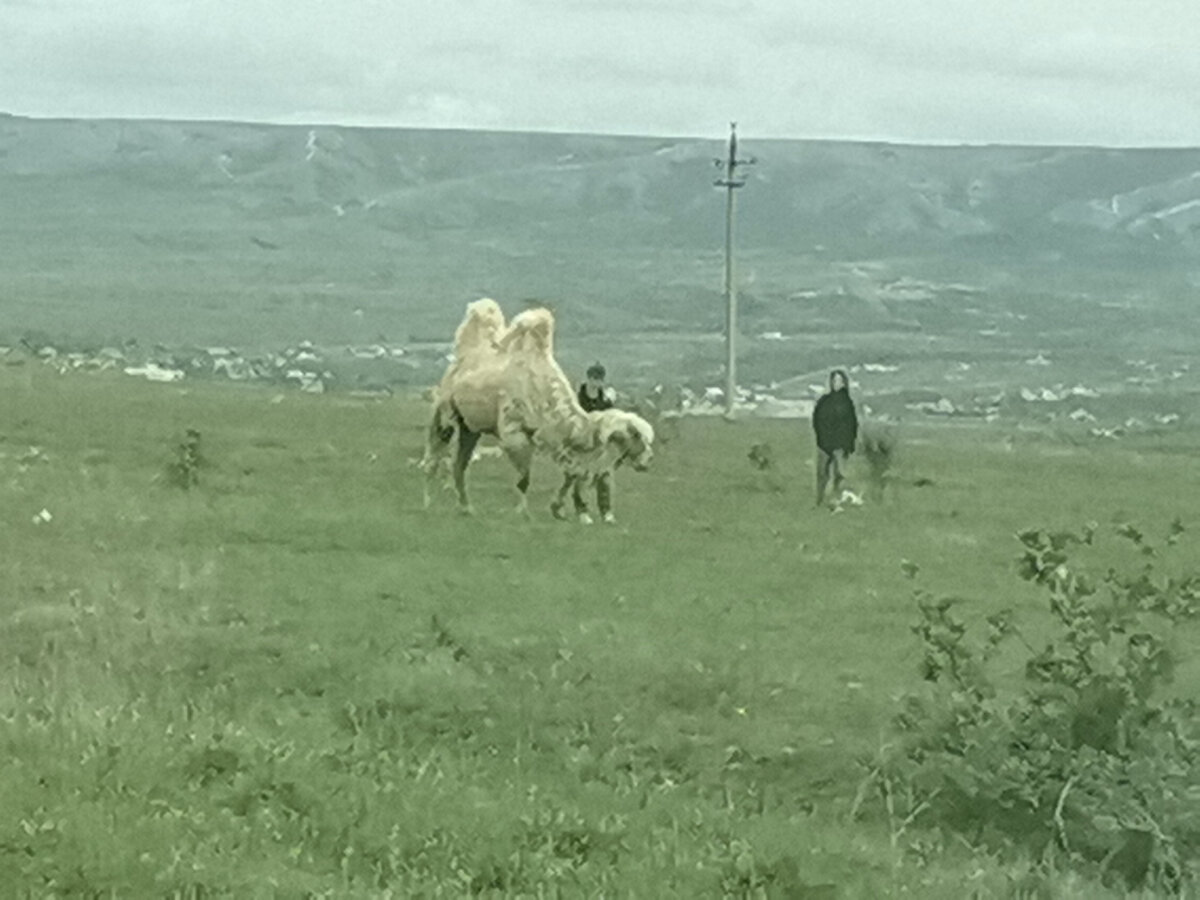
x=730, y=182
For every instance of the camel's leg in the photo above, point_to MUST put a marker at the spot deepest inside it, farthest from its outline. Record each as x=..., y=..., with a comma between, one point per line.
x=581, y=507
x=560, y=501
x=519, y=449
x=517, y=443
x=467, y=439
x=603, y=484
x=578, y=483
x=437, y=447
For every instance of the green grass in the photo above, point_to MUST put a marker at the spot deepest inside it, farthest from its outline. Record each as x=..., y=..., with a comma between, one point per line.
x=292, y=681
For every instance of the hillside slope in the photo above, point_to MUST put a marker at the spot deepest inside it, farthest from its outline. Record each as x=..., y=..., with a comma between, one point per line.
x=184, y=232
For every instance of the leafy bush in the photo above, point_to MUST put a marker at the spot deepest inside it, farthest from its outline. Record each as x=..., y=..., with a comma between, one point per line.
x=1087, y=760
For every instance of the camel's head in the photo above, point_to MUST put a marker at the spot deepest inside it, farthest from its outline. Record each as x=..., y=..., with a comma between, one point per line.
x=630, y=435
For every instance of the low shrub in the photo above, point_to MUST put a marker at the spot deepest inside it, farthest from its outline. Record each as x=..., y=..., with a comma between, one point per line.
x=1088, y=760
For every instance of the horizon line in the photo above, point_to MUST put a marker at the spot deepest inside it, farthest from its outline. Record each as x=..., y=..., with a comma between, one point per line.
x=933, y=143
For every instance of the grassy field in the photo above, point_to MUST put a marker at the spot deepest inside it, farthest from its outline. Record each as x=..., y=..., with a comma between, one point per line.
x=292, y=681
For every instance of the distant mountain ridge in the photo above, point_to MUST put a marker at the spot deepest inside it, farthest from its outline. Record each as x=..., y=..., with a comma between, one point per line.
x=448, y=178
x=216, y=232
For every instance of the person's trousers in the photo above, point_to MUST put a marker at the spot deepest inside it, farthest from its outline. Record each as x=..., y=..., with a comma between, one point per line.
x=829, y=465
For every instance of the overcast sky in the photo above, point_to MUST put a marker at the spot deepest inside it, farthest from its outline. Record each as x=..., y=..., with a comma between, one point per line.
x=1113, y=72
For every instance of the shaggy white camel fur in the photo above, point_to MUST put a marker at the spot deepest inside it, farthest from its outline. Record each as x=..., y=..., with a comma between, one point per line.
x=475, y=340
x=626, y=437
x=475, y=346
x=513, y=388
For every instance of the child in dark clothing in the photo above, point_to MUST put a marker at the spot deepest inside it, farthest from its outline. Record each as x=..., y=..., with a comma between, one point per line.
x=593, y=395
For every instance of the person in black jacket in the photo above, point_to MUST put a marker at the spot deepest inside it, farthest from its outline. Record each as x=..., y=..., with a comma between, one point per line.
x=594, y=396
x=836, y=425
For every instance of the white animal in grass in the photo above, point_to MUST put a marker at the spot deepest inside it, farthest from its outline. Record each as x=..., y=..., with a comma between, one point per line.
x=508, y=384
